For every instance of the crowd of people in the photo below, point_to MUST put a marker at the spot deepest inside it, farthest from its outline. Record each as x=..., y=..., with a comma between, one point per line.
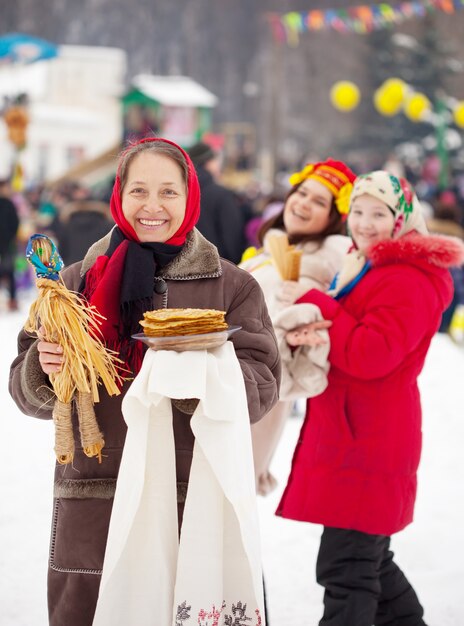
x=379, y=276
x=230, y=218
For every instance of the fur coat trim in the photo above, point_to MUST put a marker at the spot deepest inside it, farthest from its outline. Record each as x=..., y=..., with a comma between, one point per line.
x=34, y=382
x=198, y=258
x=437, y=250
x=102, y=488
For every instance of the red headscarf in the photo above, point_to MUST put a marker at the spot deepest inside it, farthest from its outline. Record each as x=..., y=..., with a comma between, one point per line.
x=192, y=209
x=103, y=282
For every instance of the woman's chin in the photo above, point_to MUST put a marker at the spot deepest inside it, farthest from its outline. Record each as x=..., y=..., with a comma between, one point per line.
x=152, y=236
x=365, y=244
x=297, y=231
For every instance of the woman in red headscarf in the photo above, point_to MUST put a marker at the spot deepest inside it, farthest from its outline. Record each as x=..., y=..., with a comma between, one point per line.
x=153, y=258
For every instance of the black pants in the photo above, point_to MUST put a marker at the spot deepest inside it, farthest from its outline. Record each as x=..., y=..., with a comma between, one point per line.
x=363, y=585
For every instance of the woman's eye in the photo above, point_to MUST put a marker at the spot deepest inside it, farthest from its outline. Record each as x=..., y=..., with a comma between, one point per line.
x=137, y=190
x=169, y=192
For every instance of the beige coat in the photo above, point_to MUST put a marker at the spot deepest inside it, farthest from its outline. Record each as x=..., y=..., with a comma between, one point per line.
x=320, y=262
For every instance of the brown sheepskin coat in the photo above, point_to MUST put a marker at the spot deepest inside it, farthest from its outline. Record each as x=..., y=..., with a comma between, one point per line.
x=83, y=493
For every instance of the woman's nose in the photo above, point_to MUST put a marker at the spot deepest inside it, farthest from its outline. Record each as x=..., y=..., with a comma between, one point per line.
x=152, y=205
x=365, y=222
x=305, y=203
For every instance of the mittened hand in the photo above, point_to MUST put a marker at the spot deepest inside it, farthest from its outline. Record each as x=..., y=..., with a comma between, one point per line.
x=290, y=291
x=307, y=334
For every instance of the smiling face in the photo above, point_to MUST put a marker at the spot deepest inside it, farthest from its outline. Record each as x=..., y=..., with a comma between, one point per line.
x=369, y=221
x=154, y=197
x=307, y=210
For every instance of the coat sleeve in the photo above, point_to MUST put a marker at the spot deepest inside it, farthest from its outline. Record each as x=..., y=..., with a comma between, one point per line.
x=402, y=311
x=256, y=347
x=28, y=385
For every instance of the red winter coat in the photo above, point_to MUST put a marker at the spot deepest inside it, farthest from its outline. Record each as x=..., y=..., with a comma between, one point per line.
x=357, y=456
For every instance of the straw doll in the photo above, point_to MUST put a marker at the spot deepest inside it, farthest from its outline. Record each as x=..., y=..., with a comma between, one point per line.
x=63, y=317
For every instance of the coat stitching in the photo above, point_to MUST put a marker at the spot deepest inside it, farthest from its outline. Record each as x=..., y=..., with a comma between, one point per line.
x=56, y=568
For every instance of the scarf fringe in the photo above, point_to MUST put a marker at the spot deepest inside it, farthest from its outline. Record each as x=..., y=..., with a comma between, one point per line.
x=131, y=354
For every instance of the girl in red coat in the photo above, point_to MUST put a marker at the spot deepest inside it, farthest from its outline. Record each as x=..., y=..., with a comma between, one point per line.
x=354, y=468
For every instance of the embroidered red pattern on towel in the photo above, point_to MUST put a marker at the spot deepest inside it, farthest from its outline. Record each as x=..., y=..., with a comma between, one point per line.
x=239, y=615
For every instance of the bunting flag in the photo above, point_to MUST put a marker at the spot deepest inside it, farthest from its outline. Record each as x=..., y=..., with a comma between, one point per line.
x=360, y=19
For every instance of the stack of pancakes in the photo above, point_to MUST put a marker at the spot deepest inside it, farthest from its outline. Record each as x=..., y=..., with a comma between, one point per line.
x=285, y=257
x=174, y=322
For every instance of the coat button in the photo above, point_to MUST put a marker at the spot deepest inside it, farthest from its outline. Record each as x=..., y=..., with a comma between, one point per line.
x=161, y=286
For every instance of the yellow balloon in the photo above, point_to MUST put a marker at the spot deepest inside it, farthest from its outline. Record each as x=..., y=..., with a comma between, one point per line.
x=345, y=95
x=416, y=106
x=458, y=114
x=385, y=104
x=395, y=91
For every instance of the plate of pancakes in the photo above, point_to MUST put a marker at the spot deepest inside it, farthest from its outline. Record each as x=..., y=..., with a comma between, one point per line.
x=185, y=329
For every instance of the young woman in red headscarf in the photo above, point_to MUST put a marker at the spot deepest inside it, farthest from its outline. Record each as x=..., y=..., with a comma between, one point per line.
x=153, y=258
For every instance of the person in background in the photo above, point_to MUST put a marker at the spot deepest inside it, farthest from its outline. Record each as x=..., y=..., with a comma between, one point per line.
x=154, y=258
x=9, y=224
x=393, y=165
x=446, y=220
x=79, y=224
x=312, y=216
x=271, y=206
x=221, y=221
x=355, y=464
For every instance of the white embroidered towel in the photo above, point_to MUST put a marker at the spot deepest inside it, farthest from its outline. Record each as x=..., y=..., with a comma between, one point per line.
x=214, y=575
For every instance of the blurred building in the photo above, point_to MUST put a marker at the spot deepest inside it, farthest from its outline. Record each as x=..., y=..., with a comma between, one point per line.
x=175, y=107
x=74, y=109
x=273, y=97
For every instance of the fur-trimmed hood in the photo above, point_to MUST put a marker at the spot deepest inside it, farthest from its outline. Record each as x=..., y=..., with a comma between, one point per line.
x=439, y=251
x=198, y=258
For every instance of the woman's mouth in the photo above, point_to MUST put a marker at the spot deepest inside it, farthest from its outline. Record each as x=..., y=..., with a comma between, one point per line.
x=300, y=216
x=151, y=223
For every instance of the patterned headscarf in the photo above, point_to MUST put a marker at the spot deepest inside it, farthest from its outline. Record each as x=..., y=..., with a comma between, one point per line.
x=398, y=195
x=400, y=198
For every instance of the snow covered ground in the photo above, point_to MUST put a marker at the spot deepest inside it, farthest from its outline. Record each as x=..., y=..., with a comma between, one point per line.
x=431, y=551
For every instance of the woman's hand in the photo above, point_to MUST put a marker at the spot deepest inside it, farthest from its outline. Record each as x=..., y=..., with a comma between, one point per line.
x=50, y=354
x=307, y=335
x=290, y=291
